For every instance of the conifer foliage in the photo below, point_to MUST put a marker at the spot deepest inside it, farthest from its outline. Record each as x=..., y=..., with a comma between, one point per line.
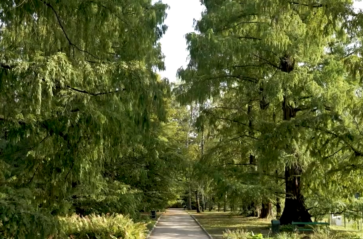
x=80, y=107
x=284, y=82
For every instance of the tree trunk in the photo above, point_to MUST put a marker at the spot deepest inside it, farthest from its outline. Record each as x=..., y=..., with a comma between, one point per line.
x=190, y=199
x=295, y=209
x=278, y=208
x=203, y=201
x=197, y=201
x=232, y=206
x=225, y=203
x=266, y=210
x=211, y=203
x=278, y=201
x=206, y=202
x=252, y=210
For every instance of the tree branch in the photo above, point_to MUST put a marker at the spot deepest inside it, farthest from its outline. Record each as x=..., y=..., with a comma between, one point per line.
x=308, y=5
x=64, y=31
x=94, y=94
x=268, y=62
x=250, y=38
x=8, y=67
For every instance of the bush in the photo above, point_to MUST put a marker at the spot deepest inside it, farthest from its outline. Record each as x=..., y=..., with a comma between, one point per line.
x=101, y=227
x=21, y=220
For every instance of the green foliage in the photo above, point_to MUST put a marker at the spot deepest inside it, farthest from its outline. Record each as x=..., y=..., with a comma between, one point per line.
x=105, y=226
x=20, y=219
x=266, y=118
x=84, y=119
x=240, y=234
x=114, y=197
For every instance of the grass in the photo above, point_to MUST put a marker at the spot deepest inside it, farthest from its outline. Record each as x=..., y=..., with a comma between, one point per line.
x=347, y=229
x=218, y=222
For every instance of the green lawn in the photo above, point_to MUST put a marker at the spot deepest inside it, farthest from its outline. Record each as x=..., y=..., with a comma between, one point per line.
x=217, y=222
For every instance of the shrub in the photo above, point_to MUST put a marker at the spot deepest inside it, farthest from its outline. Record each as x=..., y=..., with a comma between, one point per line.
x=19, y=219
x=101, y=227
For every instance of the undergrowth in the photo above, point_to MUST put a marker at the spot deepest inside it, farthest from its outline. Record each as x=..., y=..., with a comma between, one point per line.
x=101, y=227
x=241, y=234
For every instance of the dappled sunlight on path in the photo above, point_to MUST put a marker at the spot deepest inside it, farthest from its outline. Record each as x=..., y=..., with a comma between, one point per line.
x=176, y=223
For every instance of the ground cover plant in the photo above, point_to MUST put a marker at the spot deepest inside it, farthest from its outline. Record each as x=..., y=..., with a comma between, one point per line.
x=240, y=234
x=101, y=226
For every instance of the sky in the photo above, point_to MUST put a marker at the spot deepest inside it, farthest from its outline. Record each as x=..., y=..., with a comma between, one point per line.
x=180, y=22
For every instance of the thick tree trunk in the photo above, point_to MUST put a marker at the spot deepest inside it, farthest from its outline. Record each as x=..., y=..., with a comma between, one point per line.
x=295, y=209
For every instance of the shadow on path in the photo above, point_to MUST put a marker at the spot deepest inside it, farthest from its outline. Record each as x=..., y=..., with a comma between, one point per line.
x=176, y=223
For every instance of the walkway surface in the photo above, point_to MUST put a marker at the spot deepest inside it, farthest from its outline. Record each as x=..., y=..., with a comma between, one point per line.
x=176, y=223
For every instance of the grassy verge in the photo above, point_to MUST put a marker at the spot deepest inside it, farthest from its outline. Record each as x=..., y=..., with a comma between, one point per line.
x=218, y=222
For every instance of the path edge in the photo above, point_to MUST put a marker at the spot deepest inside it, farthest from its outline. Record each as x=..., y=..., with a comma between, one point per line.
x=205, y=231
x=152, y=229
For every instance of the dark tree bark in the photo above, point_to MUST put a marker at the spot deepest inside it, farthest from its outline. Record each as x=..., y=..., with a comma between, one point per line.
x=295, y=209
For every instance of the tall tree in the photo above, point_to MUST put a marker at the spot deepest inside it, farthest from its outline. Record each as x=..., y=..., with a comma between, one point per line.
x=78, y=96
x=285, y=59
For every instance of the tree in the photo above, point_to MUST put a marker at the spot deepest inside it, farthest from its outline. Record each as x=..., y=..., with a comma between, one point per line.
x=79, y=97
x=284, y=60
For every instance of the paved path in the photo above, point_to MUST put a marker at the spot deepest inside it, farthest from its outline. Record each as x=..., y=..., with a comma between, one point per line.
x=178, y=224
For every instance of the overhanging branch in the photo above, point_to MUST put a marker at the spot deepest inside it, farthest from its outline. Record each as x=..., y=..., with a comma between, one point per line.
x=94, y=94
x=308, y=5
